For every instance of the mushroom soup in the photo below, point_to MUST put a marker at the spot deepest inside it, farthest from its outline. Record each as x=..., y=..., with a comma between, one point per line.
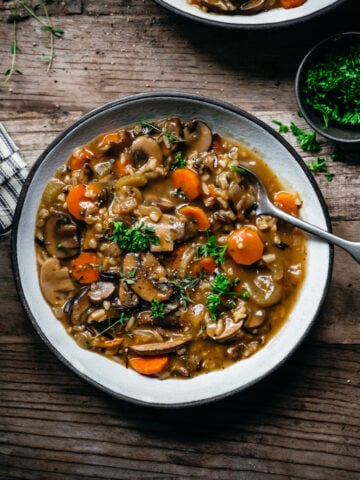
x=149, y=250
x=244, y=7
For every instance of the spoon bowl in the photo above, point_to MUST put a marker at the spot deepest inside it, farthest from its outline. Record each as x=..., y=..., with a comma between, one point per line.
x=264, y=206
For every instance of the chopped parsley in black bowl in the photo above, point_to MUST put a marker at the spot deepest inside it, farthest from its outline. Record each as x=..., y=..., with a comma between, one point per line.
x=328, y=88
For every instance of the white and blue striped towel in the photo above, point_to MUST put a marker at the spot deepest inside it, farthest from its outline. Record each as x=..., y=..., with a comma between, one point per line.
x=13, y=172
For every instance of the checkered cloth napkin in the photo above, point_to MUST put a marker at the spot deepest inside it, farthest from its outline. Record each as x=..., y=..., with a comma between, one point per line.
x=13, y=171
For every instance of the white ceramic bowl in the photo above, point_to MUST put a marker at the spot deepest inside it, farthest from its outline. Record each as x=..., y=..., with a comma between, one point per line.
x=273, y=18
x=111, y=376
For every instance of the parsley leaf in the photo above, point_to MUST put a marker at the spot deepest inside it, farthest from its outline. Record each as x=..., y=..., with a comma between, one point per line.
x=319, y=165
x=157, y=309
x=212, y=249
x=221, y=285
x=237, y=169
x=178, y=162
x=282, y=128
x=306, y=140
x=137, y=238
x=332, y=86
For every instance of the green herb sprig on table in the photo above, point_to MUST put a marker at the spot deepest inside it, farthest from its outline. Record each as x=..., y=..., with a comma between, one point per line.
x=134, y=239
x=319, y=165
x=16, y=18
x=220, y=286
x=282, y=128
x=333, y=86
x=306, y=140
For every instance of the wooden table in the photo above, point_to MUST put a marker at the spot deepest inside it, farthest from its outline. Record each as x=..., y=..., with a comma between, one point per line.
x=303, y=421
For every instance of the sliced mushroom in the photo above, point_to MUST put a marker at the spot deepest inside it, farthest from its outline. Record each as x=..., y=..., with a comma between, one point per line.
x=224, y=330
x=55, y=282
x=218, y=5
x=160, y=348
x=61, y=236
x=197, y=137
x=100, y=291
x=150, y=278
x=127, y=297
x=163, y=203
x=143, y=148
x=168, y=229
x=146, y=319
x=229, y=324
x=76, y=308
x=255, y=320
x=252, y=6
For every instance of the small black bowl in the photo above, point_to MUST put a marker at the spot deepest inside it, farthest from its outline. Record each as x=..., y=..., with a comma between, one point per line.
x=345, y=136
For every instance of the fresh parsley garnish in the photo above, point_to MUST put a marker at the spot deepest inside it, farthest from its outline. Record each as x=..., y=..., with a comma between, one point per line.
x=212, y=249
x=134, y=239
x=333, y=86
x=157, y=309
x=319, y=165
x=222, y=285
x=306, y=140
x=282, y=128
x=178, y=162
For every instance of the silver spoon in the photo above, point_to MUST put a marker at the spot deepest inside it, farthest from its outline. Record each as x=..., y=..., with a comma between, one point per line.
x=266, y=207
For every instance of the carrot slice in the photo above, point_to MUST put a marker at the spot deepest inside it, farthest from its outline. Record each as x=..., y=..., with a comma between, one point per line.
x=287, y=202
x=177, y=255
x=82, y=197
x=149, y=365
x=121, y=164
x=196, y=215
x=245, y=246
x=85, y=267
x=188, y=181
x=80, y=157
x=291, y=3
x=109, y=138
x=206, y=264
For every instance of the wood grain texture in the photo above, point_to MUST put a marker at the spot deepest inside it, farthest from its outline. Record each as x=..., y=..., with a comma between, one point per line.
x=302, y=422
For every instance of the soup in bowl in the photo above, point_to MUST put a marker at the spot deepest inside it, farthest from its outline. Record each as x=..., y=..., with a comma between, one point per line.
x=149, y=262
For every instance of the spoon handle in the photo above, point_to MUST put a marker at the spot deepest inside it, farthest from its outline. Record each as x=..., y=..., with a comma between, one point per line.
x=351, y=247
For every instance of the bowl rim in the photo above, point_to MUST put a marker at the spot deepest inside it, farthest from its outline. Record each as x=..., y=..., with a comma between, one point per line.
x=123, y=101
x=245, y=26
x=299, y=81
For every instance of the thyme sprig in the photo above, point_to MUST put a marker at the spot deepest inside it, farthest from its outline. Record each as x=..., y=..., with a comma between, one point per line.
x=47, y=26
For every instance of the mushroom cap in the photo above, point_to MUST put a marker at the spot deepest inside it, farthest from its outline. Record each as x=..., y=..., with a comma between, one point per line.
x=143, y=148
x=61, y=236
x=197, y=137
x=150, y=278
x=252, y=6
x=100, y=291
